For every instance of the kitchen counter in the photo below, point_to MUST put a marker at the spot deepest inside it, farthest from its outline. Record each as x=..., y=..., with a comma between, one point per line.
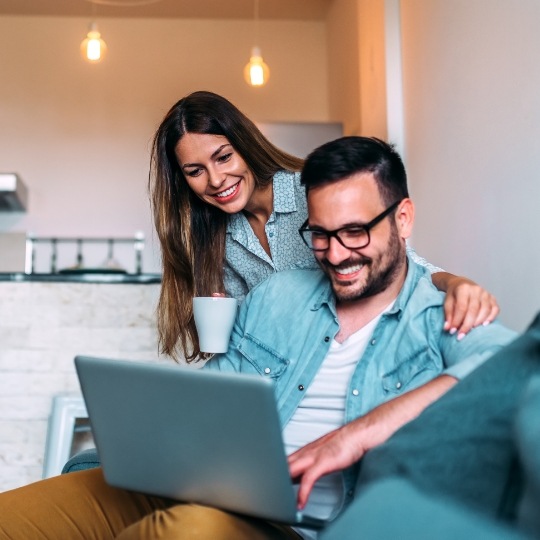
x=91, y=277
x=45, y=321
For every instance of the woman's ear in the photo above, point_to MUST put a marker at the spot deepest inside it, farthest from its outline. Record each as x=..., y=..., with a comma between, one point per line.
x=405, y=218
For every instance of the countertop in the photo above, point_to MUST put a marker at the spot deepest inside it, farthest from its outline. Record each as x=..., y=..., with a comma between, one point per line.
x=43, y=326
x=92, y=277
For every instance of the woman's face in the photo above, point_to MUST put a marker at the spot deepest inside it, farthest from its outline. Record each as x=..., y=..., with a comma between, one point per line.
x=215, y=171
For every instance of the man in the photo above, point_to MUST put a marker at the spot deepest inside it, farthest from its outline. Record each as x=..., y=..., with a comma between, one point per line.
x=356, y=350
x=360, y=338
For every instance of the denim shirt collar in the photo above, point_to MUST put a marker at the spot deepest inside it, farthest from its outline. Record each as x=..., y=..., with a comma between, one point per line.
x=325, y=298
x=414, y=273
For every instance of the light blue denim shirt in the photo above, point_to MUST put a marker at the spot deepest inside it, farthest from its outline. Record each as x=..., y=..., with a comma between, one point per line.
x=285, y=326
x=246, y=262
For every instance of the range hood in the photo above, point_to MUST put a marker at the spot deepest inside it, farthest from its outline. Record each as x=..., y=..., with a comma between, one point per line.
x=13, y=193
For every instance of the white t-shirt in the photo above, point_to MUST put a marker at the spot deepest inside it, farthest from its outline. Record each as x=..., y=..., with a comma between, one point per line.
x=322, y=410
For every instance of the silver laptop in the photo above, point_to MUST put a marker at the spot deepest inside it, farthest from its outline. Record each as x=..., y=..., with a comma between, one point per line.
x=190, y=435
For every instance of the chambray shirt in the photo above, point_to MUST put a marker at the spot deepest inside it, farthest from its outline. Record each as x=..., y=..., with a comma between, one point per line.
x=286, y=324
x=246, y=262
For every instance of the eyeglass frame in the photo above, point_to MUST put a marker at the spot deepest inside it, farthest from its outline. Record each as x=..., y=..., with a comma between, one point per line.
x=335, y=233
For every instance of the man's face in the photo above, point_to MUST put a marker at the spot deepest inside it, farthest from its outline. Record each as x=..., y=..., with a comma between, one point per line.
x=356, y=273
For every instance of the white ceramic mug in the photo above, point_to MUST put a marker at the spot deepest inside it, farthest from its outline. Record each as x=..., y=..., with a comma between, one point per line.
x=214, y=319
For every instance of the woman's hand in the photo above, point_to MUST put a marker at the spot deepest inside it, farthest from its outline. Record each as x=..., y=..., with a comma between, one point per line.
x=466, y=305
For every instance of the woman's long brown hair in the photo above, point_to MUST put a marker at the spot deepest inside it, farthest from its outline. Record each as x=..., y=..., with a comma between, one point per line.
x=191, y=232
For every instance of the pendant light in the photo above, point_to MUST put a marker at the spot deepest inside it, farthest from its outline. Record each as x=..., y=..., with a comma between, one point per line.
x=93, y=48
x=256, y=72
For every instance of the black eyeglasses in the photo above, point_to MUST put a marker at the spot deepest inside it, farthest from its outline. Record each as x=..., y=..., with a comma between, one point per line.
x=351, y=237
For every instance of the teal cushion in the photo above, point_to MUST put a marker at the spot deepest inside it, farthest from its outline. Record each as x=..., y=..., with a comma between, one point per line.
x=394, y=509
x=528, y=440
x=463, y=446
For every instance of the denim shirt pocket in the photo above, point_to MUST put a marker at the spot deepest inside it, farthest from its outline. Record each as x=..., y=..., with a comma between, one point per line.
x=263, y=358
x=410, y=373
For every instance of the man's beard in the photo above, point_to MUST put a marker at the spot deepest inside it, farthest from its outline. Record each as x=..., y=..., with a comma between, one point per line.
x=381, y=272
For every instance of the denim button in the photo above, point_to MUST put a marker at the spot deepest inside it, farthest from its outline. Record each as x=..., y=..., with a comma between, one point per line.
x=373, y=341
x=327, y=339
x=355, y=392
x=267, y=370
x=398, y=385
x=300, y=387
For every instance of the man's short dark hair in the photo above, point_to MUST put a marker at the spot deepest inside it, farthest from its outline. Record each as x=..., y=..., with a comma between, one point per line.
x=340, y=159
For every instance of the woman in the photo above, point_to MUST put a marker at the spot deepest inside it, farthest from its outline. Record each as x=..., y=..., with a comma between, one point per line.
x=227, y=206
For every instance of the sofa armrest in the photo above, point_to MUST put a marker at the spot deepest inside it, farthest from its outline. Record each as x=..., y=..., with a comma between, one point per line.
x=528, y=442
x=394, y=508
x=86, y=459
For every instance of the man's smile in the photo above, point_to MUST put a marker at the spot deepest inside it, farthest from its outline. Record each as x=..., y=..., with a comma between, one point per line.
x=348, y=270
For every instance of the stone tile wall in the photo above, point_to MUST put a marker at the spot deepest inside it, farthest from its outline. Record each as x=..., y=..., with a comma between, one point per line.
x=42, y=327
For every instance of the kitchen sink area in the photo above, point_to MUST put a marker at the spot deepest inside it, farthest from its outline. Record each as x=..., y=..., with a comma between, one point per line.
x=73, y=260
x=82, y=278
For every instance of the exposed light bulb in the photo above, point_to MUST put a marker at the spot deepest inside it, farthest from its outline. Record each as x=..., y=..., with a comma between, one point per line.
x=93, y=48
x=256, y=71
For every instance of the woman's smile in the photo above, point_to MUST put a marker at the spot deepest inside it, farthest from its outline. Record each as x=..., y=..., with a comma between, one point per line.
x=215, y=171
x=227, y=194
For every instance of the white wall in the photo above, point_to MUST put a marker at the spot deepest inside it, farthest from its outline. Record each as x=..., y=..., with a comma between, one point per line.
x=79, y=134
x=472, y=132
x=344, y=64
